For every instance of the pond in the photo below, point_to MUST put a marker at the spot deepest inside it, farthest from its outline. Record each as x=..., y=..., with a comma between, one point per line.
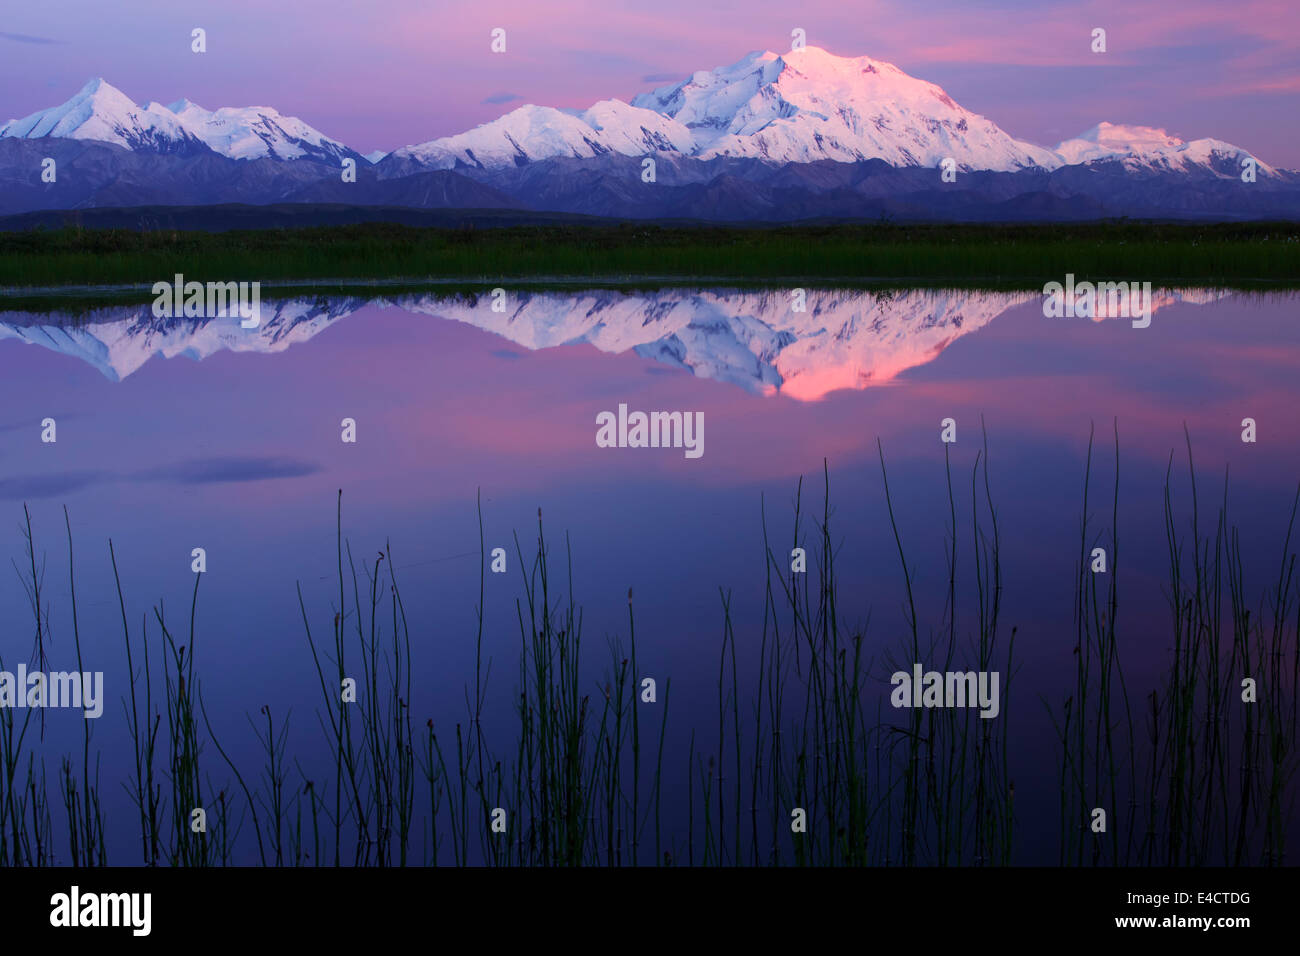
x=177, y=434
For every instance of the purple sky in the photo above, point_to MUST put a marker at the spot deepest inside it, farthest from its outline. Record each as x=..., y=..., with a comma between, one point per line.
x=391, y=73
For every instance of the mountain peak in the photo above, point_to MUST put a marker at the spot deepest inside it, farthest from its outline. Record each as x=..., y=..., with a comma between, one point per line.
x=1147, y=147
x=94, y=85
x=819, y=58
x=105, y=95
x=801, y=106
x=1123, y=136
x=811, y=104
x=99, y=111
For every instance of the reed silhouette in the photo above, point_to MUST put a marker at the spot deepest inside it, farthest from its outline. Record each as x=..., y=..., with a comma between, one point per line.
x=1189, y=774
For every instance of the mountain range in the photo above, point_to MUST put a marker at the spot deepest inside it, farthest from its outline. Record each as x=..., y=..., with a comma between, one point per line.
x=755, y=340
x=800, y=135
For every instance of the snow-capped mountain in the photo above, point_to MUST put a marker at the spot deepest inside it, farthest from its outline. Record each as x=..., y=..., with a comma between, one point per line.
x=100, y=111
x=250, y=132
x=754, y=340
x=1147, y=148
x=801, y=107
x=844, y=339
x=810, y=104
x=772, y=138
x=797, y=107
x=532, y=133
x=119, y=341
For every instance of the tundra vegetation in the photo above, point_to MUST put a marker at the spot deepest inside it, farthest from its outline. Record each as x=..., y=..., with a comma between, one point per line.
x=1024, y=256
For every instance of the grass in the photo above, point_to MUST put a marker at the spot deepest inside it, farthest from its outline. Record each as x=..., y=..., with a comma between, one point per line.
x=1213, y=783
x=988, y=256
x=1188, y=774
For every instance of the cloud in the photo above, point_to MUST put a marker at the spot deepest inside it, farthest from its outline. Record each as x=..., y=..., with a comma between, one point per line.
x=198, y=471
x=502, y=98
x=59, y=417
x=1286, y=84
x=24, y=38
x=207, y=471
x=48, y=486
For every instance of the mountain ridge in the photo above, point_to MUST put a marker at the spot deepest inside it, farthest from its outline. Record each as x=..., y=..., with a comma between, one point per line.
x=755, y=340
x=101, y=112
x=806, y=135
x=800, y=106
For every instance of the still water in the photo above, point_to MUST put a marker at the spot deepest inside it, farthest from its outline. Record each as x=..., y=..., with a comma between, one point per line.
x=189, y=433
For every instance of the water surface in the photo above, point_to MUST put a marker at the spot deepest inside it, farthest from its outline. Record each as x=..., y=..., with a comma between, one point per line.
x=177, y=434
